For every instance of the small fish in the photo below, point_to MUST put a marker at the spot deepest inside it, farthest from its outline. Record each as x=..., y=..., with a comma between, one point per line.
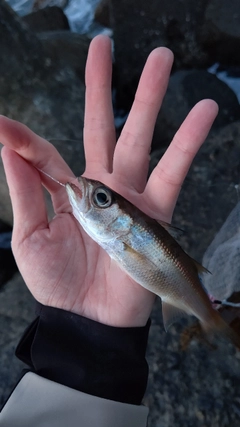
x=147, y=251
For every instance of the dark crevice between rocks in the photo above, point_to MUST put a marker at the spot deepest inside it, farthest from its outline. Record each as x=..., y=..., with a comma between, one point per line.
x=8, y=266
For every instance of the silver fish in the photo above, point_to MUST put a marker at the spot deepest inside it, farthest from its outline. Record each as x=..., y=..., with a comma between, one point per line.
x=147, y=251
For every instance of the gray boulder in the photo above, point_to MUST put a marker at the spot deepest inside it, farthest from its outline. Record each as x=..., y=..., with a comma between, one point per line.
x=185, y=89
x=47, y=19
x=40, y=93
x=102, y=13
x=220, y=33
x=26, y=50
x=198, y=32
x=140, y=26
x=66, y=50
x=210, y=190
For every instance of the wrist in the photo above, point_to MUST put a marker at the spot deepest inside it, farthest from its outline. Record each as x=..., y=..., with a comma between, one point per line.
x=97, y=359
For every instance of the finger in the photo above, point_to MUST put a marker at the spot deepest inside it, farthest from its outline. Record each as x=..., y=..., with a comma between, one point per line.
x=41, y=154
x=166, y=179
x=36, y=150
x=131, y=156
x=99, y=129
x=26, y=192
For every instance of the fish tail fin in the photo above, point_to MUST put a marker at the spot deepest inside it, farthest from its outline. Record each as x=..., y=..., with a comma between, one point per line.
x=219, y=327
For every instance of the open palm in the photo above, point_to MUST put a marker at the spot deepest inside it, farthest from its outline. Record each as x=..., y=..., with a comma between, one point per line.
x=60, y=264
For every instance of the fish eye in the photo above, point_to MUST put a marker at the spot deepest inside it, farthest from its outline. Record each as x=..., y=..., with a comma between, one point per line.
x=102, y=197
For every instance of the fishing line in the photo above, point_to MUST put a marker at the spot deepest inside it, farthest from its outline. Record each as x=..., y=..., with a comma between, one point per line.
x=227, y=303
x=49, y=176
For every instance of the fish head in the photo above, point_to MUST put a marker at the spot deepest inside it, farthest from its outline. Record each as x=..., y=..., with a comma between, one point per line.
x=98, y=209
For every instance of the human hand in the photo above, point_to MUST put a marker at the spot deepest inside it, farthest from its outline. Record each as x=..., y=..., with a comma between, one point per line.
x=61, y=265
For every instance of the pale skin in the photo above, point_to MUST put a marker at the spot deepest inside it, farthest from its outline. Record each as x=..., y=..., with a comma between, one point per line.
x=60, y=264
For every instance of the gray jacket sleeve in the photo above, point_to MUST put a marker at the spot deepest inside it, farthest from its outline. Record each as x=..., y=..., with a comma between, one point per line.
x=38, y=402
x=82, y=374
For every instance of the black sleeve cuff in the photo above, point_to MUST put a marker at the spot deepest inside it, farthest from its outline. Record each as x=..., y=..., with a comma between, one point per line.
x=88, y=356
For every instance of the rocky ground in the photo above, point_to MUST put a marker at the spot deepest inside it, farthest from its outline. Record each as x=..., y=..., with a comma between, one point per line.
x=191, y=383
x=195, y=387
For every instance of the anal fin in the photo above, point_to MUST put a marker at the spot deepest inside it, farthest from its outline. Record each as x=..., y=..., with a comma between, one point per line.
x=171, y=314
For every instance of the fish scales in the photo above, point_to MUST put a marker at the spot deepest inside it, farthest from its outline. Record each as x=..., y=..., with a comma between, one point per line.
x=146, y=251
x=166, y=265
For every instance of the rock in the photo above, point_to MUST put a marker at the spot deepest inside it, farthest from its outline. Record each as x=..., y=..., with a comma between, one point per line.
x=209, y=193
x=26, y=50
x=49, y=99
x=41, y=4
x=199, y=33
x=28, y=6
x=220, y=33
x=48, y=19
x=185, y=89
x=16, y=313
x=102, y=13
x=66, y=49
x=53, y=109
x=193, y=391
x=140, y=26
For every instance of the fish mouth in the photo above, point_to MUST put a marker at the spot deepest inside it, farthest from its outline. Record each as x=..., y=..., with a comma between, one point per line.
x=79, y=189
x=78, y=195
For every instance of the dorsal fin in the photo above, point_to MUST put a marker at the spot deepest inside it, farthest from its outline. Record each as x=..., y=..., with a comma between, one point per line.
x=174, y=231
x=200, y=268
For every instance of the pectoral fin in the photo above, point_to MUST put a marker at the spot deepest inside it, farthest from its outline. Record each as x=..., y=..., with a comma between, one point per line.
x=171, y=314
x=139, y=257
x=133, y=252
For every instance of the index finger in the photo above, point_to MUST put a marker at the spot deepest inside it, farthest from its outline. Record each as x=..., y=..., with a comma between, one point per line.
x=36, y=150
